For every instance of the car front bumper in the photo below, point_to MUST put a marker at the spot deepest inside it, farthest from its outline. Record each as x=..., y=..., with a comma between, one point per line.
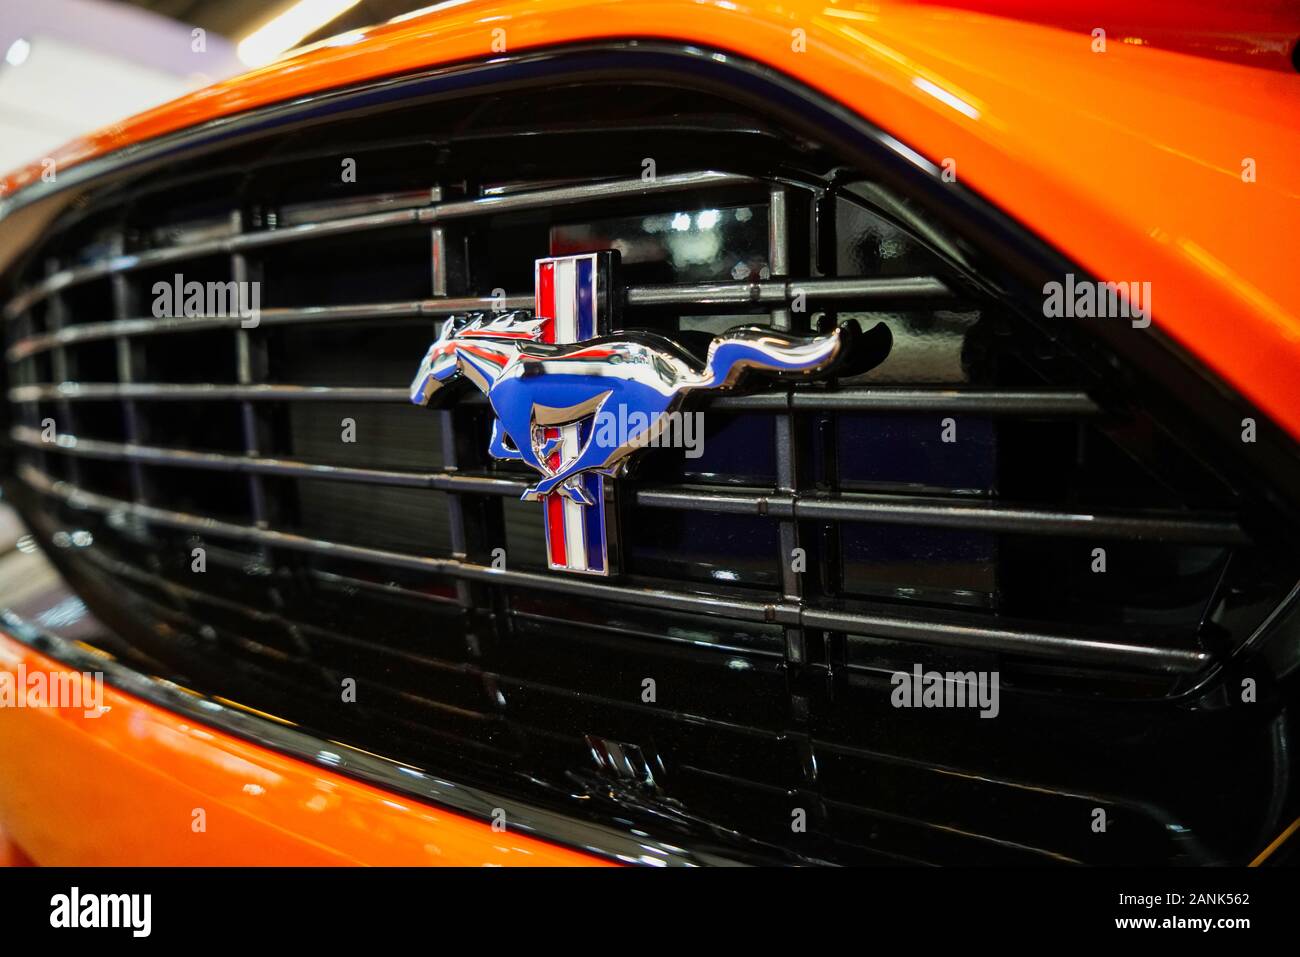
x=139, y=784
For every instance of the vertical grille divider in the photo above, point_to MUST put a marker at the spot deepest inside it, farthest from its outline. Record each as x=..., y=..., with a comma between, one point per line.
x=787, y=481
x=29, y=412
x=123, y=301
x=455, y=508
x=54, y=319
x=466, y=544
x=250, y=365
x=245, y=375
x=447, y=420
x=825, y=244
x=786, y=477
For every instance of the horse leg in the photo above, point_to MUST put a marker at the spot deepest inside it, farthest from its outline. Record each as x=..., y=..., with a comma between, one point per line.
x=550, y=447
x=569, y=485
x=513, y=426
x=497, y=447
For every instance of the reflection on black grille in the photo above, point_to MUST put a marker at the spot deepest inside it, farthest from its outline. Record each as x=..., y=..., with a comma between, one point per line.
x=949, y=505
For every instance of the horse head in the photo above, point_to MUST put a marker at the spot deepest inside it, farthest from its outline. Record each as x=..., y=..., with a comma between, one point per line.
x=478, y=345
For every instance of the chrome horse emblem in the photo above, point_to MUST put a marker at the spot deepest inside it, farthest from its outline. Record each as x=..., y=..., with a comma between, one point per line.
x=546, y=395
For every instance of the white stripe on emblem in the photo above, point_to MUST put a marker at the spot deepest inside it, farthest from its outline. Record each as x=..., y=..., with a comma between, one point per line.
x=566, y=330
x=566, y=301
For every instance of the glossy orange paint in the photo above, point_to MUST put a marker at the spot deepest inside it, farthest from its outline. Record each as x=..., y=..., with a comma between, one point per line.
x=122, y=789
x=11, y=855
x=1128, y=161
x=1260, y=32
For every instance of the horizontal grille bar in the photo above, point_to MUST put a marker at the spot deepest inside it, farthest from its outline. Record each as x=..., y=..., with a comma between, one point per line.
x=434, y=213
x=810, y=400
x=585, y=193
x=153, y=455
x=851, y=507
x=915, y=510
x=296, y=214
x=460, y=667
x=1005, y=640
x=699, y=294
x=785, y=291
x=1032, y=643
x=972, y=401
x=98, y=391
x=126, y=328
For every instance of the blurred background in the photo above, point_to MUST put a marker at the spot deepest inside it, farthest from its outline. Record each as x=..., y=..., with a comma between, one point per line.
x=71, y=66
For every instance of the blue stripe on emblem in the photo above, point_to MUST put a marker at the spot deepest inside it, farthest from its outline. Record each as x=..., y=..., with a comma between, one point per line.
x=594, y=520
x=586, y=300
x=593, y=516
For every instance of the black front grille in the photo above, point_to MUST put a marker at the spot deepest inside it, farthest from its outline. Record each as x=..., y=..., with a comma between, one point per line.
x=950, y=508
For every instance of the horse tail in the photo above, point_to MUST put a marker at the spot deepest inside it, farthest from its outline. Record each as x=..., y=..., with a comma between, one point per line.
x=766, y=350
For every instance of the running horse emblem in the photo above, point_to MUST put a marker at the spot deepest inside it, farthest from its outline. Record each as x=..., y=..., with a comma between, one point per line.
x=545, y=395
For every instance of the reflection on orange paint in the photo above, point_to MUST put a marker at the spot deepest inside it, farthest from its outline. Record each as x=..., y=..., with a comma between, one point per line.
x=124, y=788
x=1124, y=160
x=11, y=855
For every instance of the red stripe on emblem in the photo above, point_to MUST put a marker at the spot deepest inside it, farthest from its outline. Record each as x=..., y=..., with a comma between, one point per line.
x=492, y=357
x=555, y=533
x=555, y=529
x=554, y=504
x=545, y=299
